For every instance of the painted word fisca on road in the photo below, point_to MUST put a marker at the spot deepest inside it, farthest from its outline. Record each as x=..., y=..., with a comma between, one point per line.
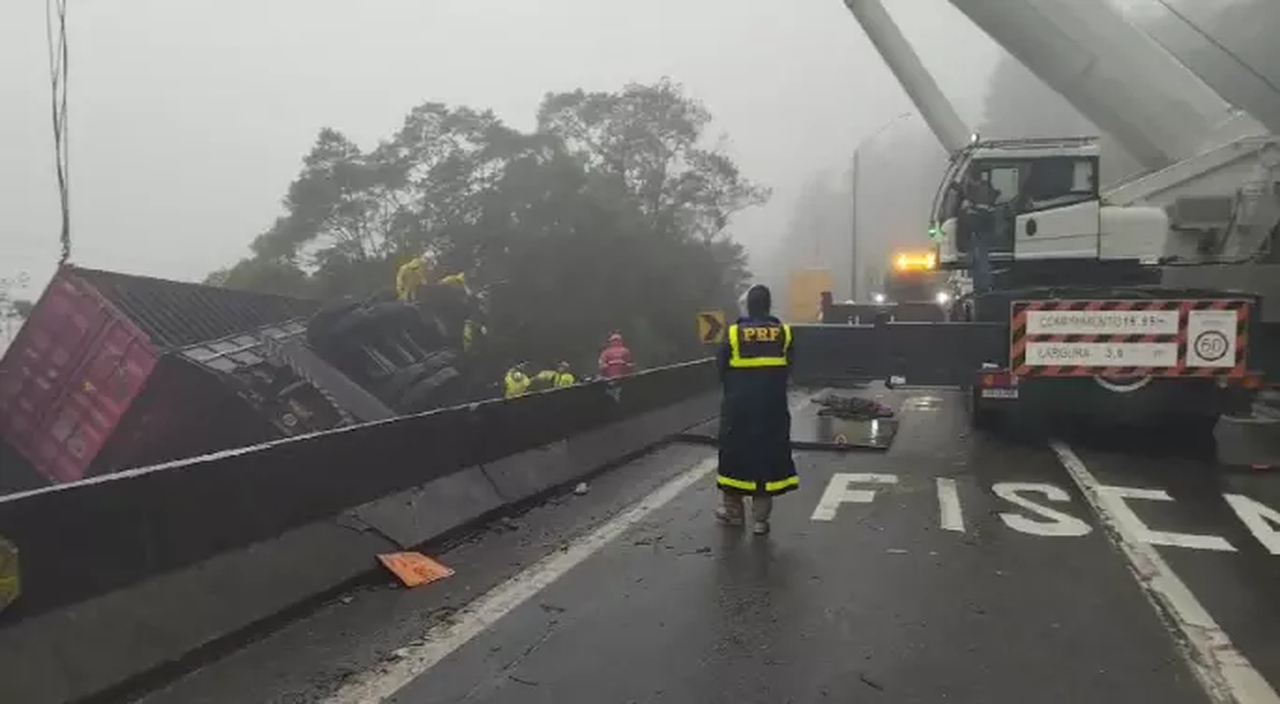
x=1043, y=509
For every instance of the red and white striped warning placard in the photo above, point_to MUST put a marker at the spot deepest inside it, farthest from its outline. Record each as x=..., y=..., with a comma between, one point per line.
x=1129, y=338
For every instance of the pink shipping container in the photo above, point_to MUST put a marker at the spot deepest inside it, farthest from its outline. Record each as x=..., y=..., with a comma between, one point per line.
x=89, y=351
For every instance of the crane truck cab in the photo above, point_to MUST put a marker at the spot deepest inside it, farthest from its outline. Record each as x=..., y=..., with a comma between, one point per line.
x=1038, y=200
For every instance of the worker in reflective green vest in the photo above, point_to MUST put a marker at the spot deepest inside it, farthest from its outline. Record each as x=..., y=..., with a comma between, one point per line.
x=755, y=422
x=515, y=383
x=564, y=378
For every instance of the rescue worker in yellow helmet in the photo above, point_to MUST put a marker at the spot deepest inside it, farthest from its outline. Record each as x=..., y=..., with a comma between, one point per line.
x=410, y=276
x=563, y=376
x=516, y=383
x=755, y=422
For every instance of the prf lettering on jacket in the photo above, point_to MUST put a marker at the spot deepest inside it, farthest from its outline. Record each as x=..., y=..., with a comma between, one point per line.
x=762, y=334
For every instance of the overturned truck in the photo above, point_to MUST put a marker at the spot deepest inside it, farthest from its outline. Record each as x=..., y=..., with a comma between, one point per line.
x=413, y=355
x=113, y=371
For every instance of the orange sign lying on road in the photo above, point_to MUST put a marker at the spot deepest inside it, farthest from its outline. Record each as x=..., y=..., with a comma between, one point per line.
x=413, y=568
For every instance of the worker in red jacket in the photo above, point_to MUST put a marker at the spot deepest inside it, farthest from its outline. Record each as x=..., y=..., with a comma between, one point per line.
x=615, y=358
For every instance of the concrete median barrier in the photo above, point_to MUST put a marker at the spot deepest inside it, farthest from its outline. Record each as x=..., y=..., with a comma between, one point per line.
x=1248, y=441
x=413, y=517
x=124, y=574
x=101, y=643
x=84, y=539
x=942, y=354
x=530, y=473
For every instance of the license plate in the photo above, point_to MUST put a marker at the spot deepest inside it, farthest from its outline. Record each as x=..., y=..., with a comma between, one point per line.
x=999, y=393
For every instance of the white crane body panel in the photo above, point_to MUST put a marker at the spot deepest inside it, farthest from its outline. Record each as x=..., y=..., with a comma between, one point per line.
x=938, y=112
x=1186, y=33
x=1116, y=75
x=1213, y=195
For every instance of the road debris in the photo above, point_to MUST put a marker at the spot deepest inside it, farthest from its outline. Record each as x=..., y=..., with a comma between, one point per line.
x=851, y=407
x=413, y=568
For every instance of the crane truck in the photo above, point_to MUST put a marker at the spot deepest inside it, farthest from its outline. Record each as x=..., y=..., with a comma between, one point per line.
x=1141, y=302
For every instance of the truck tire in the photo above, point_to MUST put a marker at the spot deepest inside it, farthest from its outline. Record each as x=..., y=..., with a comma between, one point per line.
x=424, y=394
x=320, y=324
x=341, y=328
x=403, y=380
x=393, y=313
x=386, y=295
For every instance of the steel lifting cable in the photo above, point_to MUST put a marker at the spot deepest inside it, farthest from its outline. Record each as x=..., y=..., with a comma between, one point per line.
x=56, y=34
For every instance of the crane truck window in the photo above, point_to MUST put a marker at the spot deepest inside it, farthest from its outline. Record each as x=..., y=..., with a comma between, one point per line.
x=1057, y=181
x=1004, y=180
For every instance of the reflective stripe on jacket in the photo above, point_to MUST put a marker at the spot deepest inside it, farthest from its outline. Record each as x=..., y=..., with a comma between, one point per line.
x=762, y=344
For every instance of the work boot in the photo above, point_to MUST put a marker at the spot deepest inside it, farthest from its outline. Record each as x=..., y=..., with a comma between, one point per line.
x=730, y=511
x=761, y=507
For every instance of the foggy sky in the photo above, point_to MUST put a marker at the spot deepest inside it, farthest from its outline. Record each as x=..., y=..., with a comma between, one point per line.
x=189, y=119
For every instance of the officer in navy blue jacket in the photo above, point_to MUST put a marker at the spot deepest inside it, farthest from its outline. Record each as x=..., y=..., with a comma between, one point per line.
x=755, y=422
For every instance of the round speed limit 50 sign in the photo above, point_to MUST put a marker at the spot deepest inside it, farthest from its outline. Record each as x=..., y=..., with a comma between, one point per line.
x=1211, y=338
x=1211, y=345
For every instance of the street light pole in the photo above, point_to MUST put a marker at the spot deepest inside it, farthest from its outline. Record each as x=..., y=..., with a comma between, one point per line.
x=853, y=234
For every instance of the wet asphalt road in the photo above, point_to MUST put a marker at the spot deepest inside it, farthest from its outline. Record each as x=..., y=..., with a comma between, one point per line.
x=1012, y=592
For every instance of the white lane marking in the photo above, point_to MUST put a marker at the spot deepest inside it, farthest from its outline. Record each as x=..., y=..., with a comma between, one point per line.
x=838, y=492
x=949, y=515
x=1258, y=518
x=1223, y=671
x=1060, y=524
x=1114, y=496
x=446, y=637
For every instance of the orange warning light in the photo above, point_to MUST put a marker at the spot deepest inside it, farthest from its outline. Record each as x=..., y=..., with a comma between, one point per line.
x=915, y=261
